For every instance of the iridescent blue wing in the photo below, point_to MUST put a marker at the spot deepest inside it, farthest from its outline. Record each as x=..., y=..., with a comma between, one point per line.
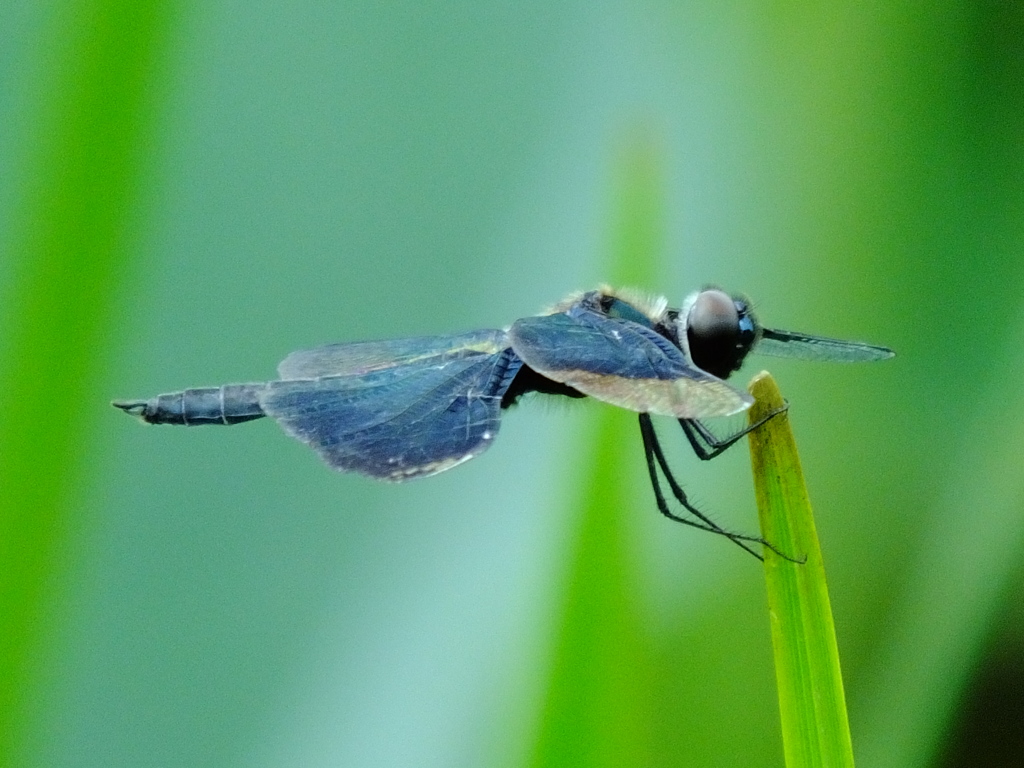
x=361, y=357
x=435, y=403
x=623, y=363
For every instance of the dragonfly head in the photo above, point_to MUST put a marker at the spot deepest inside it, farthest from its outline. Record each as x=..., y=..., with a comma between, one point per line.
x=720, y=331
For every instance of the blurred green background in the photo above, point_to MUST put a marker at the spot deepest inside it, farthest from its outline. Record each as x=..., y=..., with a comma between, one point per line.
x=191, y=191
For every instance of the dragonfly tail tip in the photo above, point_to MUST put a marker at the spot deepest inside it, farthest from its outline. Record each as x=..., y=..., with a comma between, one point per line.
x=133, y=407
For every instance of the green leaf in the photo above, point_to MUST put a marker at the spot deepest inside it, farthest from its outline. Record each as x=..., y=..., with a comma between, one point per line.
x=598, y=706
x=815, y=731
x=70, y=247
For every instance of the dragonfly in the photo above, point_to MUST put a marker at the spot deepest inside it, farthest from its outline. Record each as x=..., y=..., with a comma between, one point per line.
x=407, y=408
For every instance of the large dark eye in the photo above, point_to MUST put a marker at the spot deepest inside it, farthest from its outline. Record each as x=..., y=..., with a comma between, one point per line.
x=720, y=332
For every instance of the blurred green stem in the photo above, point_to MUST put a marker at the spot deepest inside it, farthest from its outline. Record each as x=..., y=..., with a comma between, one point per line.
x=598, y=707
x=71, y=248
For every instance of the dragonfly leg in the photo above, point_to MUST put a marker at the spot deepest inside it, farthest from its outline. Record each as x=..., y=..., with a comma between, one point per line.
x=656, y=460
x=707, y=446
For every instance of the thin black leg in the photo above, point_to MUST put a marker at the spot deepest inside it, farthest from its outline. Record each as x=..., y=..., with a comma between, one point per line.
x=707, y=446
x=655, y=459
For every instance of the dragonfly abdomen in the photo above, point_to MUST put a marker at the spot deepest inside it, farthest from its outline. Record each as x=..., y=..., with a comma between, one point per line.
x=230, y=404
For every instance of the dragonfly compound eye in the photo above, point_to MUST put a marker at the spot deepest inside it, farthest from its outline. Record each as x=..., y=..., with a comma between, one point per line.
x=718, y=333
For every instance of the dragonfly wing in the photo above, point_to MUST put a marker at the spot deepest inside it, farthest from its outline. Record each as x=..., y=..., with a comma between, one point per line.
x=623, y=363
x=804, y=346
x=357, y=358
x=399, y=422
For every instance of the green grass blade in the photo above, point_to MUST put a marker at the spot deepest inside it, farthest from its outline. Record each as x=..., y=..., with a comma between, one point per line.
x=597, y=709
x=598, y=706
x=70, y=248
x=815, y=731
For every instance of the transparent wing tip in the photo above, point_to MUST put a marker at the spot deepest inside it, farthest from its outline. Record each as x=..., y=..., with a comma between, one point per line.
x=803, y=346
